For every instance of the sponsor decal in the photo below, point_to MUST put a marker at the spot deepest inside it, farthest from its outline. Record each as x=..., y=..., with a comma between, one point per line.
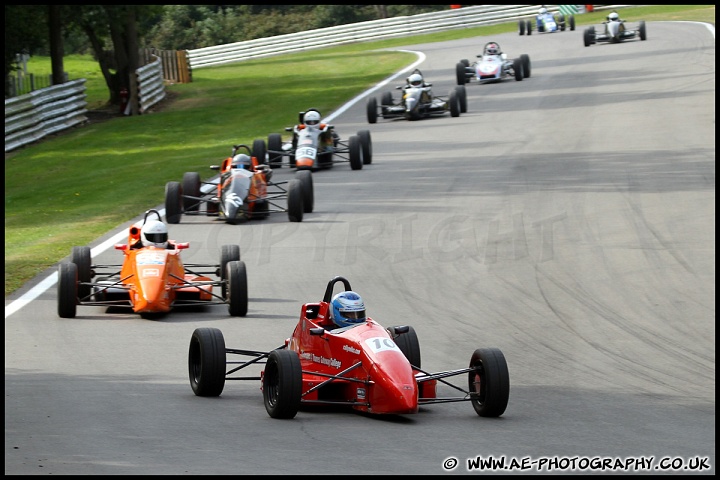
x=350, y=349
x=331, y=362
x=150, y=258
x=150, y=272
x=361, y=394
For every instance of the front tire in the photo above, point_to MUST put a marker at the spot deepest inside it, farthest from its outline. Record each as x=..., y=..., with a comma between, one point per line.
x=643, y=32
x=295, y=200
x=371, y=108
x=228, y=253
x=409, y=345
x=462, y=95
x=454, y=102
x=282, y=384
x=207, y=362
x=355, y=153
x=489, y=383
x=571, y=22
x=366, y=145
x=518, y=69
x=67, y=290
x=525, y=58
x=237, y=288
x=460, y=76
x=306, y=179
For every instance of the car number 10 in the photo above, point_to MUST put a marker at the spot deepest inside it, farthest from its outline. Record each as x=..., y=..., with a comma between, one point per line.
x=381, y=344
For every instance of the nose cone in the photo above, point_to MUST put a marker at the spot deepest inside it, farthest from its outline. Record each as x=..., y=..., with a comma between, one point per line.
x=395, y=390
x=154, y=296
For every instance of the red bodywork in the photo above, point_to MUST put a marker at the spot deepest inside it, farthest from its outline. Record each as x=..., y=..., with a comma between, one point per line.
x=376, y=375
x=365, y=366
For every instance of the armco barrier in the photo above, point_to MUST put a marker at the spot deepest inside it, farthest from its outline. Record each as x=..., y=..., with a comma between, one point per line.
x=452, y=19
x=37, y=114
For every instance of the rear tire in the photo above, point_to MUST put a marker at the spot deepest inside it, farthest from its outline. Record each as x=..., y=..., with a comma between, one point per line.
x=207, y=362
x=237, y=288
x=489, y=382
x=529, y=27
x=274, y=145
x=643, y=32
x=173, y=206
x=81, y=258
x=191, y=187
x=259, y=151
x=366, y=145
x=67, y=290
x=306, y=179
x=295, y=200
x=521, y=27
x=282, y=384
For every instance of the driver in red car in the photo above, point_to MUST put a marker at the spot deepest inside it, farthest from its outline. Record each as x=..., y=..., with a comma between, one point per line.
x=348, y=310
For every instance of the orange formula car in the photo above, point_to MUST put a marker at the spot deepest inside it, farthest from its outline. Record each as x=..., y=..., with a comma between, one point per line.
x=152, y=279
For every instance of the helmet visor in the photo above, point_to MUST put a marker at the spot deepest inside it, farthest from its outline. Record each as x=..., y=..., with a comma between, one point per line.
x=157, y=237
x=355, y=315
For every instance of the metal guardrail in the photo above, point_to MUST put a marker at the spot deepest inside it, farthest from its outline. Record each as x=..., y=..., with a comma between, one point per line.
x=35, y=115
x=465, y=17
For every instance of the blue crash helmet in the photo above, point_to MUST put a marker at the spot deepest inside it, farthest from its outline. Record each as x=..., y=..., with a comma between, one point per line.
x=347, y=309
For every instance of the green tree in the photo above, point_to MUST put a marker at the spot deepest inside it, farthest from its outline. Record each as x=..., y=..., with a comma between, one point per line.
x=26, y=32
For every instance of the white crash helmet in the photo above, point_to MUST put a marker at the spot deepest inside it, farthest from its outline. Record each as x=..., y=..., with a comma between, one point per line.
x=492, y=49
x=241, y=160
x=311, y=118
x=613, y=17
x=415, y=80
x=347, y=309
x=543, y=11
x=154, y=234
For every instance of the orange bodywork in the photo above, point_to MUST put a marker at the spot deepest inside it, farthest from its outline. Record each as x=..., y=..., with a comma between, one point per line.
x=156, y=276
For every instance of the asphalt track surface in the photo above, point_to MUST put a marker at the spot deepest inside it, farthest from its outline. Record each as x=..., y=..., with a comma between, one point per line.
x=567, y=219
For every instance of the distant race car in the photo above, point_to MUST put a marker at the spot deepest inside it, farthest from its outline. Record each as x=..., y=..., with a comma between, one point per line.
x=364, y=367
x=614, y=30
x=316, y=145
x=492, y=66
x=547, y=22
x=243, y=191
x=417, y=101
x=151, y=280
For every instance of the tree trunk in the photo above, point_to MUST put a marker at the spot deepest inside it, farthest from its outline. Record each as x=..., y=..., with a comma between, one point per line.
x=57, y=50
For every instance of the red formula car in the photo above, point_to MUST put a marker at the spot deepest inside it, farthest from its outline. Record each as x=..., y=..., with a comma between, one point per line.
x=152, y=280
x=365, y=367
